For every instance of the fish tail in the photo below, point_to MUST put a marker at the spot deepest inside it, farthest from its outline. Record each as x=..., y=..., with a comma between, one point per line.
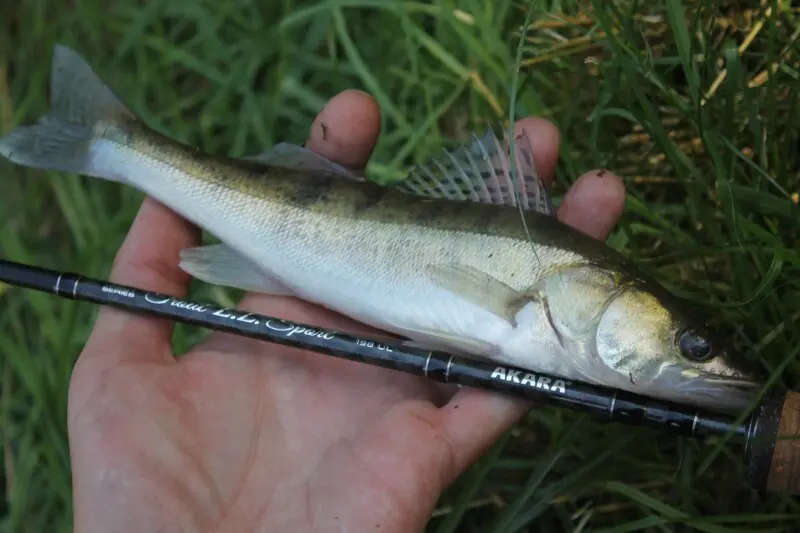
x=83, y=111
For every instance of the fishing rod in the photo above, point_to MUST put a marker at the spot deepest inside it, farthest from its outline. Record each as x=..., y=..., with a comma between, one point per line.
x=769, y=436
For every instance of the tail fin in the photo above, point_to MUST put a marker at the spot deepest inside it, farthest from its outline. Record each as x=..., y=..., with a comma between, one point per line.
x=82, y=109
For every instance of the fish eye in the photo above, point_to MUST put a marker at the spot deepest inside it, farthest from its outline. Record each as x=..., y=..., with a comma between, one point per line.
x=694, y=347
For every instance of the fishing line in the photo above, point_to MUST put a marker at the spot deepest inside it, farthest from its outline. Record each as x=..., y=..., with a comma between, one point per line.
x=512, y=141
x=774, y=464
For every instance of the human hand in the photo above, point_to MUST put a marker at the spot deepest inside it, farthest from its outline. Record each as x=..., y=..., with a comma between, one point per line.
x=240, y=435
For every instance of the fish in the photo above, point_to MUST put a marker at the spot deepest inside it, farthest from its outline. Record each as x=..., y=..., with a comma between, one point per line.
x=465, y=254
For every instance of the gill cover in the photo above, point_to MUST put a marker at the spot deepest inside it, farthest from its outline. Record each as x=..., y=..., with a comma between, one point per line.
x=635, y=336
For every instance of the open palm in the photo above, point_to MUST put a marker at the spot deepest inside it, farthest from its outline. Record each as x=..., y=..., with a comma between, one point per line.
x=240, y=435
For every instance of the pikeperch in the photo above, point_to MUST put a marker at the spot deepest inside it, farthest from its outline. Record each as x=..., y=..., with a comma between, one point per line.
x=443, y=258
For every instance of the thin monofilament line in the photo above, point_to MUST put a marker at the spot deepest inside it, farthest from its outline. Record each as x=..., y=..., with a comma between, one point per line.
x=511, y=122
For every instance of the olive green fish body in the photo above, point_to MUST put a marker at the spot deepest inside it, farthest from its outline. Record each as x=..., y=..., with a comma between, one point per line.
x=442, y=258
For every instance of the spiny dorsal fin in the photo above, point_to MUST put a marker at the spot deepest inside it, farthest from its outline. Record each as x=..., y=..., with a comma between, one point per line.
x=480, y=171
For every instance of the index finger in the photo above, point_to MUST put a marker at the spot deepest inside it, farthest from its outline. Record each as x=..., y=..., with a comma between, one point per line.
x=346, y=131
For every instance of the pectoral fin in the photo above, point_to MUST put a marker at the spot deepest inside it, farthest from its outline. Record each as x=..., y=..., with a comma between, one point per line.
x=221, y=265
x=479, y=288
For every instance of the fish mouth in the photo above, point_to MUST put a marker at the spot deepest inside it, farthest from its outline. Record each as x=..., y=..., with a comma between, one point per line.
x=732, y=392
x=741, y=382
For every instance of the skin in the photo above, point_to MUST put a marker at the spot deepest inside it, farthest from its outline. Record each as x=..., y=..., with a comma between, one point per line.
x=240, y=435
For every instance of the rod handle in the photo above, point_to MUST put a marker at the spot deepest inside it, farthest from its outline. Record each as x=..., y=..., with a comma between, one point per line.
x=784, y=472
x=775, y=451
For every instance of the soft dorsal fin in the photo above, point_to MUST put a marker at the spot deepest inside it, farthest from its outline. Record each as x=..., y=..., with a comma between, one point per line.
x=480, y=171
x=295, y=157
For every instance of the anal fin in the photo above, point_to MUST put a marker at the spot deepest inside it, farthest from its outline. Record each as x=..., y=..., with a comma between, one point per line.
x=219, y=264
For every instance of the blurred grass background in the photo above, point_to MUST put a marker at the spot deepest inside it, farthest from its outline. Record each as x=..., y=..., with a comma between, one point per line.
x=695, y=104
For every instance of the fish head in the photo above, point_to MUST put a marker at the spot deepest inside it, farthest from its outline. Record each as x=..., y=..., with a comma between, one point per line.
x=648, y=338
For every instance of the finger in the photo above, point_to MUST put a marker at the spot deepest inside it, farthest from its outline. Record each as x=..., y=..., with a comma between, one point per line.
x=347, y=129
x=545, y=143
x=148, y=259
x=473, y=418
x=594, y=203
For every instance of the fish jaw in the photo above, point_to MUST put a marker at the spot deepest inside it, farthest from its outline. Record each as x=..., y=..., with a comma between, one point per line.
x=704, y=389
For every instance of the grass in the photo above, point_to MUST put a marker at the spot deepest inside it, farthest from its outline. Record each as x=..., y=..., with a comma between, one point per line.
x=694, y=104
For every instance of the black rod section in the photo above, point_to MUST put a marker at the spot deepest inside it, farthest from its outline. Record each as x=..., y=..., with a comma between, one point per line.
x=612, y=404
